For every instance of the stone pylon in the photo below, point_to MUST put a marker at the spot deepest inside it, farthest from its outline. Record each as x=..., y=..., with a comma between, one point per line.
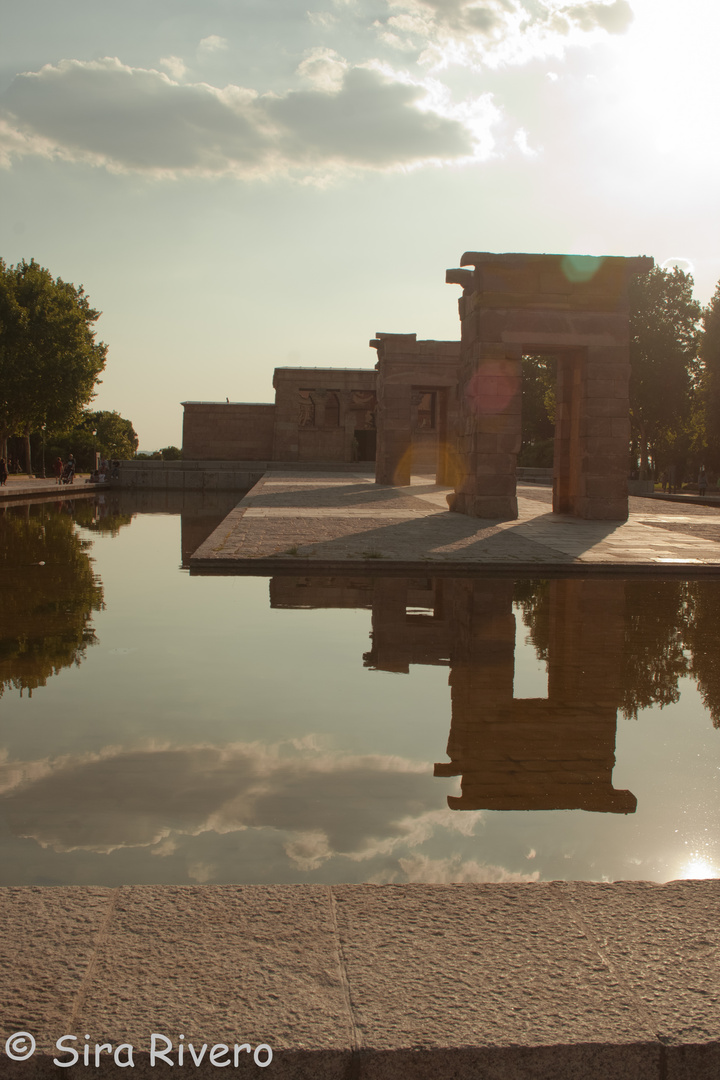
x=575, y=308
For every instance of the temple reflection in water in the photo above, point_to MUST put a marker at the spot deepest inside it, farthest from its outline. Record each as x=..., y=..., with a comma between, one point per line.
x=541, y=753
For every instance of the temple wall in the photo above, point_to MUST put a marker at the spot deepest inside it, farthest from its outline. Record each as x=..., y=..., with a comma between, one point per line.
x=227, y=431
x=319, y=411
x=417, y=406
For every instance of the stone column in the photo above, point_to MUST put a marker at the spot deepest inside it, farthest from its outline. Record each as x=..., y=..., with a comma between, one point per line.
x=490, y=431
x=394, y=439
x=568, y=403
x=604, y=435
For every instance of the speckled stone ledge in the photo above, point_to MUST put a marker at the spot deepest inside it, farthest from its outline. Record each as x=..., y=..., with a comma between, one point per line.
x=392, y=982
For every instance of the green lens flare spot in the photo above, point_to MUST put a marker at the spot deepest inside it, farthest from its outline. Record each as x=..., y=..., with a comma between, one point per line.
x=579, y=268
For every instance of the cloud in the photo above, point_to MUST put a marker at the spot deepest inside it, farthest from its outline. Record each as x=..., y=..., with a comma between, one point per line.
x=108, y=114
x=324, y=69
x=425, y=870
x=323, y=19
x=174, y=65
x=494, y=33
x=325, y=803
x=520, y=138
x=615, y=17
x=213, y=43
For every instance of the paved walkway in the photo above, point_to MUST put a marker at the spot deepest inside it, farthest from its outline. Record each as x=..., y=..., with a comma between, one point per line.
x=331, y=521
x=22, y=488
x=556, y=981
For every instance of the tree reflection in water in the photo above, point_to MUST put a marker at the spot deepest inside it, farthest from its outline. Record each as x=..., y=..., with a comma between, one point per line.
x=671, y=630
x=48, y=592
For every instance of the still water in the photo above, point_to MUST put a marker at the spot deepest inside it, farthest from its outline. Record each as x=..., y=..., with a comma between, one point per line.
x=162, y=728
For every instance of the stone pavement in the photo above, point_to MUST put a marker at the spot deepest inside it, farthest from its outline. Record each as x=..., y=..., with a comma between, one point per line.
x=22, y=488
x=556, y=981
x=331, y=521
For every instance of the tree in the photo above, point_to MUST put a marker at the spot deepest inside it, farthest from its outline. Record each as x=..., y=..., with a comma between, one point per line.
x=49, y=359
x=664, y=340
x=539, y=376
x=709, y=396
x=114, y=437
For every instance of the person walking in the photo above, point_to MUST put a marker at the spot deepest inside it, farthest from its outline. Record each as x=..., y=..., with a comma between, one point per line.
x=702, y=481
x=3, y=472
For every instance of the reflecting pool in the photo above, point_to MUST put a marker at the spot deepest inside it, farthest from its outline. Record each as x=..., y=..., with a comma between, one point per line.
x=162, y=728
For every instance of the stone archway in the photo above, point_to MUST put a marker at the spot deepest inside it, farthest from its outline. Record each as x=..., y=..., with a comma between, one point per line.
x=577, y=307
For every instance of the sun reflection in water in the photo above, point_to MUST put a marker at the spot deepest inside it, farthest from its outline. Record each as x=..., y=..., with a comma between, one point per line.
x=699, y=866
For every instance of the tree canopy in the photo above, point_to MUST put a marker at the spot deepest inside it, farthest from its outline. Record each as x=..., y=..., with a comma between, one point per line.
x=664, y=344
x=50, y=361
x=709, y=388
x=674, y=381
x=114, y=437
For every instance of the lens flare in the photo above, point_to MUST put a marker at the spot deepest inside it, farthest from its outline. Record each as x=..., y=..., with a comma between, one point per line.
x=579, y=268
x=491, y=390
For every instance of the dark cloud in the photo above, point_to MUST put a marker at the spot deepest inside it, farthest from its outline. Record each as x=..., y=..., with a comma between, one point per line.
x=370, y=121
x=131, y=117
x=465, y=13
x=615, y=17
x=497, y=31
x=138, y=119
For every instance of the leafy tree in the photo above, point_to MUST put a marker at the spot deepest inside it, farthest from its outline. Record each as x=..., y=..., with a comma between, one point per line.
x=115, y=438
x=171, y=453
x=49, y=359
x=708, y=443
x=664, y=339
x=538, y=411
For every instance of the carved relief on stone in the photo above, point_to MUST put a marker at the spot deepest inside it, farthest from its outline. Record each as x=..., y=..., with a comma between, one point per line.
x=364, y=403
x=306, y=409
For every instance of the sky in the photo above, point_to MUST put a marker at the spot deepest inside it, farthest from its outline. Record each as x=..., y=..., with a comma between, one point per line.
x=247, y=184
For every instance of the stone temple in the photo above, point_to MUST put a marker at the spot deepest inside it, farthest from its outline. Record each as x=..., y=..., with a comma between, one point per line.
x=453, y=408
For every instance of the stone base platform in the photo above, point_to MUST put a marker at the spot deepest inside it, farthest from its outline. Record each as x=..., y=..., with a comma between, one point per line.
x=558, y=981
x=295, y=522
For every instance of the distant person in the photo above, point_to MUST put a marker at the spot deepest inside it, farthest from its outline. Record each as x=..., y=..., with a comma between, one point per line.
x=672, y=480
x=58, y=468
x=702, y=481
x=69, y=472
x=115, y=474
x=3, y=472
x=664, y=479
